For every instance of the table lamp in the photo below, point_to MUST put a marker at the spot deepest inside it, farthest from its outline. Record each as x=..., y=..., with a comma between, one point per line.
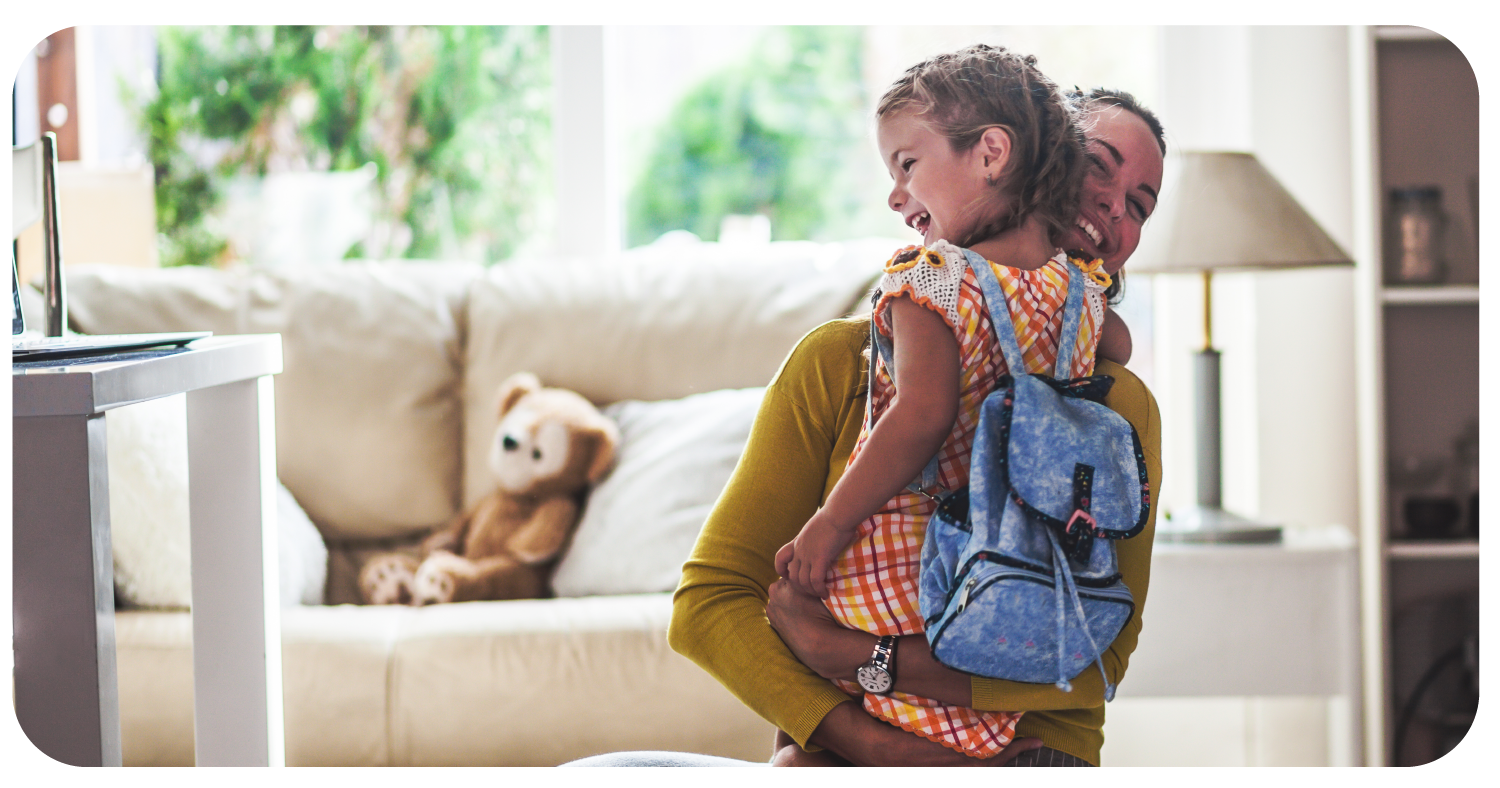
x=1224, y=212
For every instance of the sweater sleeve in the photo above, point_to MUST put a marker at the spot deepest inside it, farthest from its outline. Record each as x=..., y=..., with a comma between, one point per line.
x=810, y=414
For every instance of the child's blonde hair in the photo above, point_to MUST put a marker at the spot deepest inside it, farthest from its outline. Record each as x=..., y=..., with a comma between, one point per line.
x=961, y=94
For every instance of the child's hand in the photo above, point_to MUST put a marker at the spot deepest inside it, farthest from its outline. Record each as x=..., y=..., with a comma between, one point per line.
x=805, y=561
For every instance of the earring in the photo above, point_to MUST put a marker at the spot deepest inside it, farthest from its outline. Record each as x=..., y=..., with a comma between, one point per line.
x=989, y=180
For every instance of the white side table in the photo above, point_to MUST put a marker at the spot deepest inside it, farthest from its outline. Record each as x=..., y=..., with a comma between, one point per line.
x=1255, y=620
x=66, y=689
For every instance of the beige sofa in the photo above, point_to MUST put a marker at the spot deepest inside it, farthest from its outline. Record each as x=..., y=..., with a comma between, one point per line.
x=382, y=417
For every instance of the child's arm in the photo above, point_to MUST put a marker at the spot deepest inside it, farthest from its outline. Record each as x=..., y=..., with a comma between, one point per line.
x=911, y=430
x=1114, y=338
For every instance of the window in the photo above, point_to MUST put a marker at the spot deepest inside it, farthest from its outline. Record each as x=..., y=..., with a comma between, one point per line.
x=717, y=122
x=777, y=121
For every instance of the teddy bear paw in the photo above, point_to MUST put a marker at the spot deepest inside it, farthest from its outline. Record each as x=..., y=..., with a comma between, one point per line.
x=387, y=580
x=432, y=585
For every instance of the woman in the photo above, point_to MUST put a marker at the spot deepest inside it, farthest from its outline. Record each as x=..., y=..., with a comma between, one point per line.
x=730, y=597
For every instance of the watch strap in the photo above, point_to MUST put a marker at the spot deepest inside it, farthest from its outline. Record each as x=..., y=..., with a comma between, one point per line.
x=884, y=655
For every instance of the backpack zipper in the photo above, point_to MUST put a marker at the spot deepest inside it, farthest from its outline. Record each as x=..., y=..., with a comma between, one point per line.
x=963, y=594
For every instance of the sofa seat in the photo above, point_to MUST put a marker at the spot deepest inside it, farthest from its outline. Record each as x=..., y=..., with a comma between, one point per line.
x=521, y=683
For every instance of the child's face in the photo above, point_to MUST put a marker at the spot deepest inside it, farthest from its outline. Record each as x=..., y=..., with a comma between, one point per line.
x=1120, y=186
x=939, y=192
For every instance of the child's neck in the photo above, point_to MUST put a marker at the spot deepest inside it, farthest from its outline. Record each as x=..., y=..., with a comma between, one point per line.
x=1027, y=247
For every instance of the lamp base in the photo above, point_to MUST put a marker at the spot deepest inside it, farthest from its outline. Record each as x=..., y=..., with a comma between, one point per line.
x=1212, y=525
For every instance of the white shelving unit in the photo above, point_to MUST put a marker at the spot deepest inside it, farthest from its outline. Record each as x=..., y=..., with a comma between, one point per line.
x=1443, y=294
x=1416, y=124
x=1414, y=550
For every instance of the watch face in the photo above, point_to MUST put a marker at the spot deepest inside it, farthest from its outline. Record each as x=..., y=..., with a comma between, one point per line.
x=874, y=679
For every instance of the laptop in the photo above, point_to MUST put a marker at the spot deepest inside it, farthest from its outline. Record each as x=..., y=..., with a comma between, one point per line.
x=24, y=349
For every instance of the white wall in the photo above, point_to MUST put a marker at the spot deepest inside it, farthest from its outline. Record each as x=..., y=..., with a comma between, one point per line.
x=586, y=166
x=1287, y=338
x=1300, y=121
x=109, y=132
x=27, y=121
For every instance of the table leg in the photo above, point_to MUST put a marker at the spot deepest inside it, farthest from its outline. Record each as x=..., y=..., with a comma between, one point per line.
x=66, y=688
x=237, y=701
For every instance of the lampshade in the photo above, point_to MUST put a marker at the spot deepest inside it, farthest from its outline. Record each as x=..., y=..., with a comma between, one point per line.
x=1226, y=212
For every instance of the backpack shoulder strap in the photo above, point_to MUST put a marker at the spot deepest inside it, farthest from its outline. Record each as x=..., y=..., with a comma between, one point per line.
x=1067, y=340
x=994, y=300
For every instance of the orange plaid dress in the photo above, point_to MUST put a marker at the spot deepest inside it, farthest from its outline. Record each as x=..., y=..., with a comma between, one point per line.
x=873, y=586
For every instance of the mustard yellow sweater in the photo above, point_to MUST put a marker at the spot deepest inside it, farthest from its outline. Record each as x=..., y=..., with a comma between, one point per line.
x=798, y=447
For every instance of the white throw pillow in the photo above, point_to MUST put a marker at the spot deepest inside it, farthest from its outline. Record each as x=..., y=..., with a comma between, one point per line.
x=148, y=506
x=657, y=324
x=303, y=556
x=640, y=523
x=148, y=502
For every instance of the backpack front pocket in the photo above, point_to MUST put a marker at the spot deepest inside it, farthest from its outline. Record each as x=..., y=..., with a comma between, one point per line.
x=1009, y=623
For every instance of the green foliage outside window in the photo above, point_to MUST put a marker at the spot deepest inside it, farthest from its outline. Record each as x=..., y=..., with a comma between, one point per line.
x=457, y=120
x=782, y=133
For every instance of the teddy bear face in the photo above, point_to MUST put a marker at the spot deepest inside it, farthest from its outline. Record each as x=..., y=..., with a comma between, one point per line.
x=530, y=446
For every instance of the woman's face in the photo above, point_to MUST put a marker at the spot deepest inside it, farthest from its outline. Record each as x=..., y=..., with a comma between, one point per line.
x=1120, y=187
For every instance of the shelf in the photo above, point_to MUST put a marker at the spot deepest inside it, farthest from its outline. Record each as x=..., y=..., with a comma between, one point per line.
x=1405, y=33
x=1431, y=294
x=1433, y=549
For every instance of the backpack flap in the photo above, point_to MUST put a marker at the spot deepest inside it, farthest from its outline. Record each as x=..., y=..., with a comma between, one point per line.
x=1073, y=464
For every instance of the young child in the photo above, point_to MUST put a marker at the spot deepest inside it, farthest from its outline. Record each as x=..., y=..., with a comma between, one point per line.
x=986, y=155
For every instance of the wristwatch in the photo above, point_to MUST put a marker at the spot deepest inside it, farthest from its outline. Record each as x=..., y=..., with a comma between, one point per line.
x=878, y=676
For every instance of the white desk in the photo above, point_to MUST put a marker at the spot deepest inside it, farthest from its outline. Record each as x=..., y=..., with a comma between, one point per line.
x=1254, y=620
x=66, y=690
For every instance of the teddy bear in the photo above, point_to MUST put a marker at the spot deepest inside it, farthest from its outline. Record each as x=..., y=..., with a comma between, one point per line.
x=550, y=447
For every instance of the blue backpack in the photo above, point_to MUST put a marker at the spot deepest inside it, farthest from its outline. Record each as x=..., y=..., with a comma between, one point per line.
x=1019, y=579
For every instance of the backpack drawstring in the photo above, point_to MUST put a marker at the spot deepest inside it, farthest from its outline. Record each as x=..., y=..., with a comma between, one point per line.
x=1062, y=615
x=1060, y=578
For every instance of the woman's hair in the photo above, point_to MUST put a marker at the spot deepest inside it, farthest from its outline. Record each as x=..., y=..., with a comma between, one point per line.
x=1086, y=102
x=962, y=94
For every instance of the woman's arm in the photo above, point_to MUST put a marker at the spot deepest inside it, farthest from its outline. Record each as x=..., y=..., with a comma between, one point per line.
x=835, y=652
x=910, y=431
x=1114, y=338
x=811, y=413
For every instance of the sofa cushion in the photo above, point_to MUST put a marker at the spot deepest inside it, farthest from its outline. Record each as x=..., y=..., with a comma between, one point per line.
x=539, y=682
x=533, y=682
x=641, y=521
x=658, y=324
x=367, y=409
x=335, y=668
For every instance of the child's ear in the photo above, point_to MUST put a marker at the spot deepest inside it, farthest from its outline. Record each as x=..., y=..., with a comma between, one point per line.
x=994, y=150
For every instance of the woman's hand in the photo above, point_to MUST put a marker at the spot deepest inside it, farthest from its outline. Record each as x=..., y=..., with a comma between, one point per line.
x=833, y=651
x=787, y=753
x=852, y=733
x=819, y=641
